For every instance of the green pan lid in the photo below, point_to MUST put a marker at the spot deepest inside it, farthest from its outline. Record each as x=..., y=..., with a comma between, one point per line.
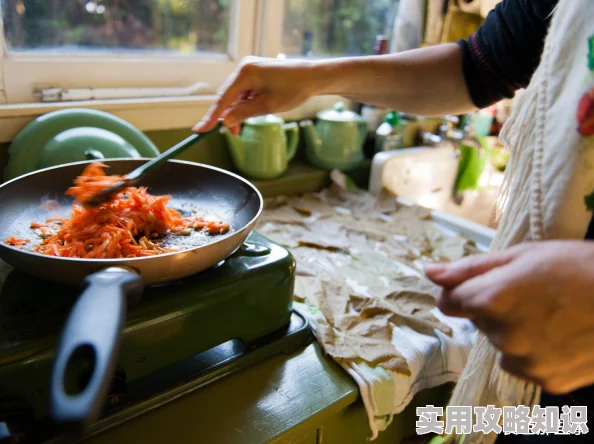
x=74, y=135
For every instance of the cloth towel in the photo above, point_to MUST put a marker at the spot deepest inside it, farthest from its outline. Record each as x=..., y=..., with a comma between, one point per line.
x=434, y=360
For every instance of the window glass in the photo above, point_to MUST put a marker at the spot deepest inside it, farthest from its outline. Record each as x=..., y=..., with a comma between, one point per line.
x=322, y=28
x=180, y=26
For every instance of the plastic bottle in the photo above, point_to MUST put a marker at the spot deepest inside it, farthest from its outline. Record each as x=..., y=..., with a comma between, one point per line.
x=389, y=135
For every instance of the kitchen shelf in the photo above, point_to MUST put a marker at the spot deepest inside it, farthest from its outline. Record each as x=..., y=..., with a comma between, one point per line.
x=303, y=178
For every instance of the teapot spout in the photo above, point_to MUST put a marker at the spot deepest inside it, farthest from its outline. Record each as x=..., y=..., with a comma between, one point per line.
x=313, y=142
x=236, y=148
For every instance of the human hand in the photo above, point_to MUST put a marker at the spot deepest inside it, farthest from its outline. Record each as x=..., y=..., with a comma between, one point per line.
x=260, y=86
x=535, y=302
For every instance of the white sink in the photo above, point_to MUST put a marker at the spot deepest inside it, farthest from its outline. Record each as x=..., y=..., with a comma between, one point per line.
x=426, y=176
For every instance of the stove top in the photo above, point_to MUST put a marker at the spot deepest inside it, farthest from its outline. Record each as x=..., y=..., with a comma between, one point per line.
x=246, y=299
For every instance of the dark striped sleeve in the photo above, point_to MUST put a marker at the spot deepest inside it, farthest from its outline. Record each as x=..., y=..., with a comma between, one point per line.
x=503, y=54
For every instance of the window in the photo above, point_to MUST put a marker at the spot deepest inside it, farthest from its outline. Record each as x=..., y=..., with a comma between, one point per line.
x=69, y=45
x=321, y=28
x=121, y=43
x=62, y=26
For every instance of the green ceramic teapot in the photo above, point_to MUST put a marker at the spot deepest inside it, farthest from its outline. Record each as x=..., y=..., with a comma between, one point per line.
x=265, y=146
x=336, y=141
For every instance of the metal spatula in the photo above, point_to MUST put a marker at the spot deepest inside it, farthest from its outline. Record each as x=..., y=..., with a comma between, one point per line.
x=136, y=177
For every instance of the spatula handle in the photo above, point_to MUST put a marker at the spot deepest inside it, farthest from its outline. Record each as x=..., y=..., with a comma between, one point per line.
x=152, y=165
x=137, y=176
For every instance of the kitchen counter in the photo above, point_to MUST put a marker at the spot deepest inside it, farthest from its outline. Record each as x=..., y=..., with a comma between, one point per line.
x=304, y=398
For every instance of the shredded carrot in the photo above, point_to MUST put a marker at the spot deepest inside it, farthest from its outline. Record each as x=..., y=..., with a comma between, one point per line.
x=125, y=227
x=92, y=181
x=16, y=242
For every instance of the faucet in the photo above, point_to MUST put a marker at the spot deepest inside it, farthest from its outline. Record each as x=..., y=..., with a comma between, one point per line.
x=449, y=131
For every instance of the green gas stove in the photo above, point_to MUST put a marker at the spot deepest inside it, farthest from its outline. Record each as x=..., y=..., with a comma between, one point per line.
x=180, y=337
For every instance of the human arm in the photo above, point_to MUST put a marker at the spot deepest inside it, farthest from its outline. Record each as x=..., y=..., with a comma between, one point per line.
x=426, y=81
x=445, y=79
x=535, y=302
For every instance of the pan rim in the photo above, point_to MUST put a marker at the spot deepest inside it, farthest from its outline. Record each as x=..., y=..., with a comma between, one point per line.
x=123, y=261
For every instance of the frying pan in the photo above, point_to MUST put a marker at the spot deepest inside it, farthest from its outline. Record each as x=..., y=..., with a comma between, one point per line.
x=91, y=336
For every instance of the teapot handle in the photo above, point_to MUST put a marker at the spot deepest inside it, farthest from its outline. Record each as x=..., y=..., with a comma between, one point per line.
x=362, y=131
x=292, y=131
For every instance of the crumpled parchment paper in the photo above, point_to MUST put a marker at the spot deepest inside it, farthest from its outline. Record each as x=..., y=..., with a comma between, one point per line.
x=359, y=260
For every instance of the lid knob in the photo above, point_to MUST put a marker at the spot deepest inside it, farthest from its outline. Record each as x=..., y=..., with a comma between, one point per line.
x=265, y=120
x=339, y=107
x=92, y=154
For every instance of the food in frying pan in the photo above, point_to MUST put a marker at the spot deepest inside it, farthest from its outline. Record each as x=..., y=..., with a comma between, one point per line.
x=15, y=242
x=92, y=181
x=131, y=225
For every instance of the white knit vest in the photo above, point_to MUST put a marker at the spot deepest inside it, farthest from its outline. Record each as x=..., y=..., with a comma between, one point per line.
x=548, y=180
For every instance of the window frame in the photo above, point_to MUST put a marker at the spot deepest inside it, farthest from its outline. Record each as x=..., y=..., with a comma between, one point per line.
x=272, y=13
x=25, y=72
x=256, y=28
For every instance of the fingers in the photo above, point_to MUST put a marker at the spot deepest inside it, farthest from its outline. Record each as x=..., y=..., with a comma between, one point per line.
x=455, y=273
x=555, y=377
x=257, y=106
x=235, y=88
x=525, y=368
x=483, y=295
x=570, y=381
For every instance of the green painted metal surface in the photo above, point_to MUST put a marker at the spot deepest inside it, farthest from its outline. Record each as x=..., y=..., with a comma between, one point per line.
x=258, y=405
x=300, y=398
x=245, y=297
